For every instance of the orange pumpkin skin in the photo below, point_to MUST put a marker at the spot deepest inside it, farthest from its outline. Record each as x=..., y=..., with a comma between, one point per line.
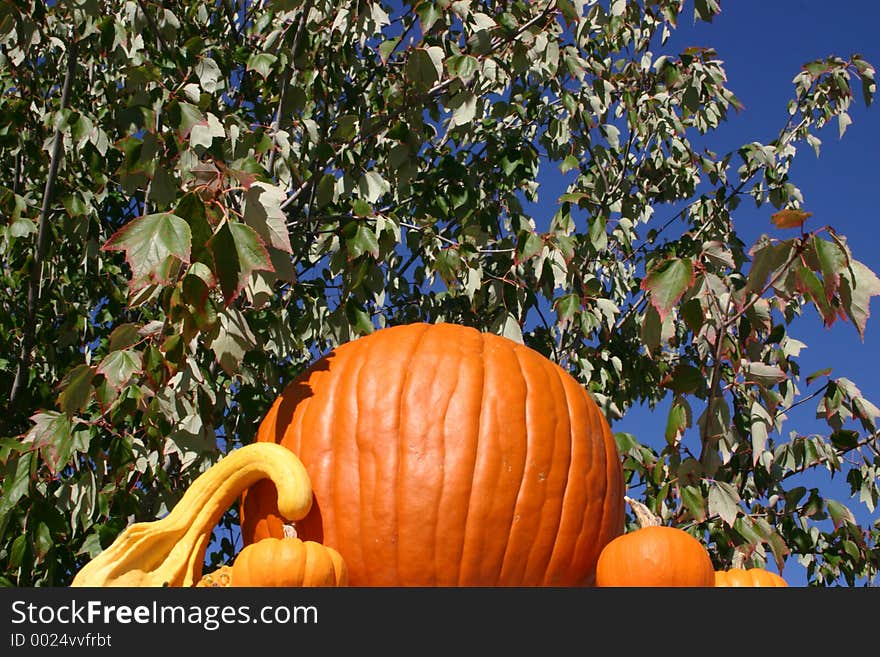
x=748, y=577
x=288, y=562
x=443, y=456
x=655, y=556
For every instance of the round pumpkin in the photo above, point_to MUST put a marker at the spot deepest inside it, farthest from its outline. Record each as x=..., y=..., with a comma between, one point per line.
x=288, y=562
x=654, y=556
x=748, y=577
x=443, y=456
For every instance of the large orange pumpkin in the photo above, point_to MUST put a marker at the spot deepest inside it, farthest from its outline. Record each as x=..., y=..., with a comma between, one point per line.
x=443, y=456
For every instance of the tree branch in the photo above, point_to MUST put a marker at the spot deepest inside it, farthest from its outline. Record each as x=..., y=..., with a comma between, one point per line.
x=35, y=282
x=285, y=82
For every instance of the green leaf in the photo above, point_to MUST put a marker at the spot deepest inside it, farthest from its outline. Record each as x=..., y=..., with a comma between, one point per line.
x=685, y=379
x=668, y=282
x=424, y=66
x=164, y=187
x=192, y=209
x=262, y=211
x=234, y=339
x=723, y=501
x=764, y=374
x=150, y=243
x=462, y=66
x=832, y=261
x=262, y=63
x=760, y=425
x=184, y=116
x=858, y=285
x=815, y=375
x=568, y=163
x=209, y=74
x=17, y=551
x=530, y=244
x=76, y=389
x=124, y=336
x=677, y=421
x=428, y=14
x=363, y=241
x=706, y=10
x=238, y=252
x=692, y=497
x=372, y=186
x=464, y=107
x=358, y=317
x=52, y=435
x=119, y=366
x=766, y=258
x=387, y=47
x=43, y=540
x=567, y=307
x=16, y=482
x=840, y=514
x=326, y=190
x=204, y=131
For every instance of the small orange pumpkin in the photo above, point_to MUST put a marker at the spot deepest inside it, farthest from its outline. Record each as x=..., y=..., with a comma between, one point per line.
x=288, y=561
x=654, y=556
x=748, y=577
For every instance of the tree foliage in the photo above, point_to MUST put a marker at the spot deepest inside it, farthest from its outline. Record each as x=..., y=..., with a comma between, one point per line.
x=201, y=197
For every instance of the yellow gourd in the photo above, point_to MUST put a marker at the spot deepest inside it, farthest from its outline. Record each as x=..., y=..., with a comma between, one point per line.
x=171, y=551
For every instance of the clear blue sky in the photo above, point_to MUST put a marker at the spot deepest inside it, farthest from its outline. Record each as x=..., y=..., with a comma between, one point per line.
x=763, y=45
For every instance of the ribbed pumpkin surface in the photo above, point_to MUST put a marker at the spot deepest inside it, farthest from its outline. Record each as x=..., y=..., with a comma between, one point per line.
x=288, y=562
x=748, y=577
x=442, y=456
x=655, y=557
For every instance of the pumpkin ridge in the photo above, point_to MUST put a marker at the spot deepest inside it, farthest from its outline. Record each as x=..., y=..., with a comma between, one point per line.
x=505, y=566
x=478, y=358
x=538, y=378
x=574, y=486
x=402, y=414
x=452, y=400
x=334, y=418
x=565, y=419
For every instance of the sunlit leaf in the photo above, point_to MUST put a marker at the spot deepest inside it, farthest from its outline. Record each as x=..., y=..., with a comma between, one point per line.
x=790, y=218
x=149, y=242
x=668, y=282
x=858, y=285
x=724, y=501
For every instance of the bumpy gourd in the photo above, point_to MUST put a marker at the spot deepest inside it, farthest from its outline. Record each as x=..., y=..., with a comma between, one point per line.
x=170, y=551
x=220, y=578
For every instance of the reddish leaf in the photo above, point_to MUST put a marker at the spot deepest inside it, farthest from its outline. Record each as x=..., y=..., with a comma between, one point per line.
x=52, y=434
x=857, y=286
x=790, y=218
x=668, y=282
